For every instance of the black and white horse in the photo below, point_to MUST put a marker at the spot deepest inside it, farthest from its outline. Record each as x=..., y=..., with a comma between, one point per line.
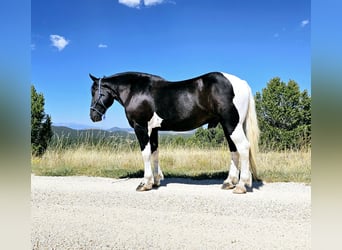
x=152, y=104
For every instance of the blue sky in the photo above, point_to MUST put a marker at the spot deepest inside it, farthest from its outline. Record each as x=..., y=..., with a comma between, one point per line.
x=176, y=39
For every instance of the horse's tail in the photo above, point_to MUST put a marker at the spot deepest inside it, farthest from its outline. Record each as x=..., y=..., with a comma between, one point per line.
x=252, y=133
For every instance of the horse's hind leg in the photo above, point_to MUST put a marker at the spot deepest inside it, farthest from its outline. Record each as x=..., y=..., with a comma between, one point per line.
x=233, y=176
x=157, y=173
x=242, y=144
x=239, y=147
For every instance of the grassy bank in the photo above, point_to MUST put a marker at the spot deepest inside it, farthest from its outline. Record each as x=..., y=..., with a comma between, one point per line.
x=175, y=162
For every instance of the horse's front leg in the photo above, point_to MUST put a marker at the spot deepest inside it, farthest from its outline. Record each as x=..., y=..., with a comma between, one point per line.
x=157, y=173
x=145, y=146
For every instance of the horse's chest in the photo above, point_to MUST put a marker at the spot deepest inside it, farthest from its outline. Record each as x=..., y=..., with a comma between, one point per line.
x=140, y=107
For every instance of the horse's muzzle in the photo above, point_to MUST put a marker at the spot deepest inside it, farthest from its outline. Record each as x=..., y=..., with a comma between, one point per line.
x=95, y=117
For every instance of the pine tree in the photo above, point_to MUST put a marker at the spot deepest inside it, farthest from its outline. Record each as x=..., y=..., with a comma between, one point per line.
x=41, y=131
x=284, y=114
x=213, y=137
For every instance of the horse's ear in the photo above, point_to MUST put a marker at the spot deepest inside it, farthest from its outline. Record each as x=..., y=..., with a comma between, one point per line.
x=93, y=77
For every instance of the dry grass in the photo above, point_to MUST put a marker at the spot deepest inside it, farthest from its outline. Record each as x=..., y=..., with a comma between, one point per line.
x=175, y=162
x=285, y=166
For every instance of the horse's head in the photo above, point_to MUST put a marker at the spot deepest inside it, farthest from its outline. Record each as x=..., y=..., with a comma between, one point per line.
x=102, y=98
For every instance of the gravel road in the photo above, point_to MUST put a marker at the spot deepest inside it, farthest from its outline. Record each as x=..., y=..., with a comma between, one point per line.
x=103, y=213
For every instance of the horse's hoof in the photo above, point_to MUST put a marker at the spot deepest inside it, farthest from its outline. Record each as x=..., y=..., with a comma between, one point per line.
x=144, y=187
x=227, y=186
x=248, y=181
x=157, y=179
x=156, y=185
x=239, y=189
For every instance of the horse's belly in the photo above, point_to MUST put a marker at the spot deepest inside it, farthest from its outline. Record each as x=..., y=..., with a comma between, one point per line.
x=183, y=125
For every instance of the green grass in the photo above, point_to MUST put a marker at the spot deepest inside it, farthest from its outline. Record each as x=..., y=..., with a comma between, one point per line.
x=196, y=163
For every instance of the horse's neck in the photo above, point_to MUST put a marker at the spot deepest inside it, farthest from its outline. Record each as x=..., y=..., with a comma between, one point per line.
x=124, y=88
x=123, y=91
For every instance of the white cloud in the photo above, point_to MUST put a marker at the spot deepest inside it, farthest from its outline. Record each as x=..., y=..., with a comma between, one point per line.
x=130, y=3
x=59, y=42
x=102, y=46
x=138, y=3
x=152, y=2
x=304, y=23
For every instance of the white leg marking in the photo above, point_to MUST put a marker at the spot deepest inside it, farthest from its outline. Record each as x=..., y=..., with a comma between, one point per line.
x=155, y=158
x=233, y=170
x=146, y=154
x=233, y=177
x=154, y=123
x=148, y=180
x=157, y=173
x=242, y=145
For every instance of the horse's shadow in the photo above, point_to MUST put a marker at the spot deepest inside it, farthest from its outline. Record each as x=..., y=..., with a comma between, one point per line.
x=215, y=178
x=189, y=181
x=214, y=181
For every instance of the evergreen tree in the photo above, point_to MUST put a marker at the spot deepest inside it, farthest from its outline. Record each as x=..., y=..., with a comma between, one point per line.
x=41, y=131
x=213, y=137
x=284, y=115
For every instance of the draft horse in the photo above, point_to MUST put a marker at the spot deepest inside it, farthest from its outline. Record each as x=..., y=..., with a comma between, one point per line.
x=154, y=104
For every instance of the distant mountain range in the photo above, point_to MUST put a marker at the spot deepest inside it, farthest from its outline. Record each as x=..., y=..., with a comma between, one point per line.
x=77, y=126
x=116, y=129
x=73, y=133
x=75, y=130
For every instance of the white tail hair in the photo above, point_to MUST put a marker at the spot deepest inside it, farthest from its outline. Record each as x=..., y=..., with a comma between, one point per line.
x=252, y=133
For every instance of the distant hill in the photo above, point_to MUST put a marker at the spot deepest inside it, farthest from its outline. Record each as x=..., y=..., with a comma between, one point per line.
x=74, y=133
x=116, y=129
x=65, y=131
x=73, y=125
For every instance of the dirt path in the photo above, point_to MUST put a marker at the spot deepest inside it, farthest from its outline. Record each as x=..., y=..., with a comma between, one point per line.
x=102, y=213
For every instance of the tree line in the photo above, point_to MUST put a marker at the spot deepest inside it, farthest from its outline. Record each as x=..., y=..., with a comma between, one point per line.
x=283, y=111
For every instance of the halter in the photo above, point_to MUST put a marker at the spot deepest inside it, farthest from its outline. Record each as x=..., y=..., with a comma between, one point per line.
x=99, y=99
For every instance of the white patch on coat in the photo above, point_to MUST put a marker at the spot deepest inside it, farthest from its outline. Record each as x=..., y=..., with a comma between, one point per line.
x=241, y=98
x=154, y=123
